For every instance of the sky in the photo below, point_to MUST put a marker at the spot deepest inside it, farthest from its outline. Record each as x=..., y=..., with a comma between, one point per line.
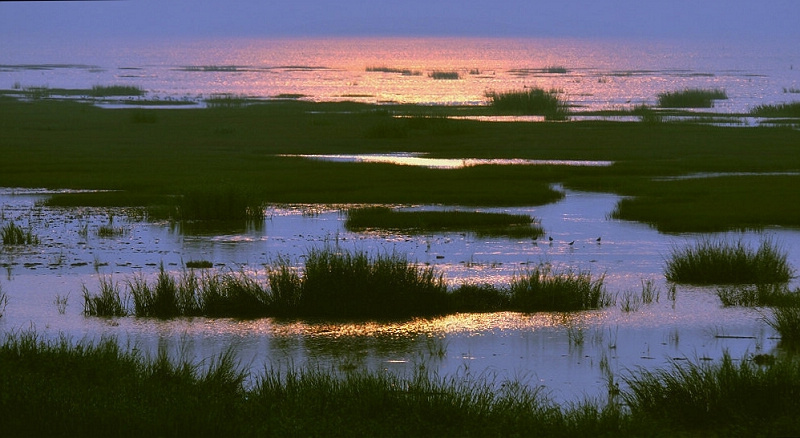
x=735, y=20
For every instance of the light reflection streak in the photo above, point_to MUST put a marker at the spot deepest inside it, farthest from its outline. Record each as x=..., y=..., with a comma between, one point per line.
x=414, y=159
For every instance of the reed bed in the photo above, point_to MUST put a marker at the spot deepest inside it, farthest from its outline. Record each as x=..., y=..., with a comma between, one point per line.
x=758, y=295
x=101, y=389
x=780, y=110
x=532, y=101
x=691, y=98
x=482, y=224
x=723, y=262
x=542, y=289
x=786, y=321
x=445, y=75
x=13, y=234
x=116, y=91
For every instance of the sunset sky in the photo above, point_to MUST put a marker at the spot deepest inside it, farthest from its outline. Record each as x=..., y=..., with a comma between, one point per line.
x=707, y=19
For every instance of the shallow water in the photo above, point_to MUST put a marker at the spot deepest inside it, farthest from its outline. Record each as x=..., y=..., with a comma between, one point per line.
x=594, y=74
x=569, y=354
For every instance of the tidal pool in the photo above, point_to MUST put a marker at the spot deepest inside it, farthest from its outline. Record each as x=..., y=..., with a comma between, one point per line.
x=571, y=354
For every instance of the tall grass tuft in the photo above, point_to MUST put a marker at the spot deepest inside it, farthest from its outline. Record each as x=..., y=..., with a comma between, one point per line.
x=756, y=295
x=542, y=289
x=718, y=398
x=116, y=90
x=447, y=75
x=691, y=98
x=723, y=262
x=786, y=321
x=780, y=110
x=3, y=301
x=13, y=234
x=224, y=202
x=478, y=298
x=108, y=303
x=533, y=101
x=353, y=284
x=286, y=288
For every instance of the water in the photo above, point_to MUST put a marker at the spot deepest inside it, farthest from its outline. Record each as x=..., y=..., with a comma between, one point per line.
x=597, y=74
x=562, y=352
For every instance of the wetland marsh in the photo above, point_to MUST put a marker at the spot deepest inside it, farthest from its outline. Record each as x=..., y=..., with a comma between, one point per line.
x=133, y=197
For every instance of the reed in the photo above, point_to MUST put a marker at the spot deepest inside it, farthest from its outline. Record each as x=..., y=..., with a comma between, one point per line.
x=691, y=98
x=478, y=298
x=543, y=289
x=757, y=295
x=720, y=398
x=101, y=389
x=480, y=223
x=533, y=101
x=218, y=203
x=446, y=75
x=199, y=264
x=780, y=110
x=3, y=301
x=13, y=234
x=353, y=284
x=116, y=90
x=107, y=303
x=786, y=321
x=723, y=262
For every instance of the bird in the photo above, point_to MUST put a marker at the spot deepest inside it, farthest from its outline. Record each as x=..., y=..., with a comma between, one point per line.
x=551, y=238
x=571, y=242
x=599, y=238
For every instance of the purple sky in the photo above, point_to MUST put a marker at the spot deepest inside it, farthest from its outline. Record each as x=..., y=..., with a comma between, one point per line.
x=735, y=20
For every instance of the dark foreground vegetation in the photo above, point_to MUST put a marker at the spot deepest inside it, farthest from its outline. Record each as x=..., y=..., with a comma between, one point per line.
x=340, y=284
x=691, y=98
x=63, y=388
x=184, y=163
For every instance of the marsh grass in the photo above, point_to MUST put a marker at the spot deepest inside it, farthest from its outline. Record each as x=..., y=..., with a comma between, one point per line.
x=199, y=264
x=116, y=90
x=3, y=301
x=474, y=298
x=533, y=101
x=480, y=223
x=723, y=262
x=780, y=110
x=691, y=98
x=13, y=234
x=354, y=284
x=219, y=203
x=109, y=231
x=757, y=295
x=402, y=71
x=542, y=289
x=107, y=303
x=719, y=398
x=786, y=321
x=227, y=100
x=90, y=389
x=445, y=75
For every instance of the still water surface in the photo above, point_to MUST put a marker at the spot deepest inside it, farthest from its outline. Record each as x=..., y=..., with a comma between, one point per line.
x=593, y=74
x=562, y=352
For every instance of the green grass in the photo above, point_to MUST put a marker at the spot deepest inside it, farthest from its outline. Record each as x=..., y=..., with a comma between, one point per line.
x=116, y=90
x=12, y=234
x=446, y=75
x=690, y=98
x=533, y=101
x=542, y=289
x=482, y=224
x=403, y=71
x=61, y=144
x=786, y=321
x=107, y=303
x=354, y=284
x=723, y=262
x=60, y=387
x=199, y=264
x=758, y=295
x=780, y=110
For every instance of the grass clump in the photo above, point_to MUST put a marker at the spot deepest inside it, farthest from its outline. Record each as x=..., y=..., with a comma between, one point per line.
x=402, y=71
x=543, y=289
x=116, y=90
x=199, y=264
x=472, y=298
x=781, y=110
x=786, y=321
x=13, y=234
x=691, y=98
x=482, y=224
x=446, y=75
x=758, y=295
x=722, y=262
x=108, y=303
x=353, y=284
x=533, y=101
x=218, y=203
